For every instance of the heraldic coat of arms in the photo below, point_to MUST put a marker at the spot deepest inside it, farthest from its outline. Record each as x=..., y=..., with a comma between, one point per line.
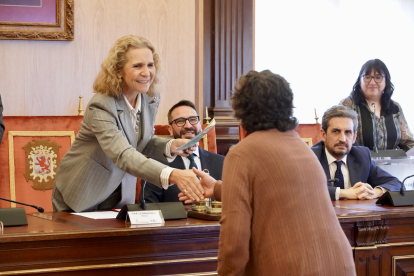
x=41, y=163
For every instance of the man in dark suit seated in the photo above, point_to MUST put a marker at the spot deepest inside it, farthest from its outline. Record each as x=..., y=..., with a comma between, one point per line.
x=355, y=175
x=184, y=122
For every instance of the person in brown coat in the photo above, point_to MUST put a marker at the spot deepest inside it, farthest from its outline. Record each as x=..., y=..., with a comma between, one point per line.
x=277, y=217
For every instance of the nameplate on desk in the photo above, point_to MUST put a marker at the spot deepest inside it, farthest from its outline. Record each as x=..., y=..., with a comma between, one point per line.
x=146, y=217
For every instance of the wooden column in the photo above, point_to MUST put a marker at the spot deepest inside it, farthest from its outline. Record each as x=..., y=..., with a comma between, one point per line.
x=228, y=54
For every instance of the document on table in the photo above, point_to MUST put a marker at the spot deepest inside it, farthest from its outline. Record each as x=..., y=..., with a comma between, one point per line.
x=98, y=215
x=198, y=137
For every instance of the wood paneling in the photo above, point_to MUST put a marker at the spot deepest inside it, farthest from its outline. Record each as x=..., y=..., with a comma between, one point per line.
x=228, y=52
x=46, y=78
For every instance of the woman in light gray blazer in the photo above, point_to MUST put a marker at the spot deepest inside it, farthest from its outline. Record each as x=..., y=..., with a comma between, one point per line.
x=100, y=169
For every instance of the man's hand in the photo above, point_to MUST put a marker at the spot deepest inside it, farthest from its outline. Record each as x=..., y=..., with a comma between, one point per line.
x=206, y=181
x=176, y=143
x=188, y=183
x=359, y=191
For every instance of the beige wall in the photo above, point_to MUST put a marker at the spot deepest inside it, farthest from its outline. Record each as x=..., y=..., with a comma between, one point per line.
x=44, y=78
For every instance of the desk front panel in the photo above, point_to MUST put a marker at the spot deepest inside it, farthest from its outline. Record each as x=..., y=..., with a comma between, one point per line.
x=60, y=243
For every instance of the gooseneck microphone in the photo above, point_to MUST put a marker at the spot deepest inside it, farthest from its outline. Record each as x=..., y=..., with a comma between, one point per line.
x=143, y=205
x=40, y=209
x=402, y=191
x=374, y=130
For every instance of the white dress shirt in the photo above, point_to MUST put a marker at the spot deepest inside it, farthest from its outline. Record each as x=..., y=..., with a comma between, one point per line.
x=165, y=173
x=344, y=169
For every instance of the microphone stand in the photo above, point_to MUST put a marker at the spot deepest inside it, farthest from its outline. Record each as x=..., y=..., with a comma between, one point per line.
x=398, y=198
x=143, y=206
x=40, y=209
x=374, y=130
x=15, y=216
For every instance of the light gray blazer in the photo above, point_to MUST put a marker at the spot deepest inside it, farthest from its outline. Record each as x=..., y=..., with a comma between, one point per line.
x=107, y=153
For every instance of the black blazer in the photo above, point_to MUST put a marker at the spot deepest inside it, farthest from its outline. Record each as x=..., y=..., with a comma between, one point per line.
x=361, y=169
x=210, y=161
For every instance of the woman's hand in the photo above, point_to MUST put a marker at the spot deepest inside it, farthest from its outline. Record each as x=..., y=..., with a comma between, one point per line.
x=178, y=143
x=206, y=181
x=188, y=184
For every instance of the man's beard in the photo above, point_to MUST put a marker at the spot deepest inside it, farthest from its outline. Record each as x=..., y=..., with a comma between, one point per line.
x=183, y=131
x=340, y=154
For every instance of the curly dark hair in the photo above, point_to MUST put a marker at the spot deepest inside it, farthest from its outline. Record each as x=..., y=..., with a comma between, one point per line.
x=379, y=66
x=263, y=100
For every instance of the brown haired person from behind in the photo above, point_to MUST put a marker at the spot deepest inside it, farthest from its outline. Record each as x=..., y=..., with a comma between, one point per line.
x=100, y=170
x=277, y=217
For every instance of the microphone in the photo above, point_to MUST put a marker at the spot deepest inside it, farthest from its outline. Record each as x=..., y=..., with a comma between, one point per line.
x=143, y=196
x=398, y=198
x=374, y=130
x=402, y=191
x=40, y=209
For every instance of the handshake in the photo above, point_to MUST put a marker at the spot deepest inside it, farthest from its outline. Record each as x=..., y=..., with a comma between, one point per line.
x=207, y=182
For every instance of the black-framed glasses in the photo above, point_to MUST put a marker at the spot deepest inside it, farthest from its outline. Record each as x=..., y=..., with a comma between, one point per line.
x=181, y=121
x=368, y=78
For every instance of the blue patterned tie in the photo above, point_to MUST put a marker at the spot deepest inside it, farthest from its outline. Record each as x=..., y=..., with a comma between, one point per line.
x=338, y=175
x=192, y=163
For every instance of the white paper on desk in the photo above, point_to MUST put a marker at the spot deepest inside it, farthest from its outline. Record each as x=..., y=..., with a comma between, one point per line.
x=410, y=152
x=98, y=215
x=198, y=137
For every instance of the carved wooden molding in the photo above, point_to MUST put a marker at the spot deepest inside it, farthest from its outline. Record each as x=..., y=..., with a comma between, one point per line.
x=371, y=233
x=64, y=29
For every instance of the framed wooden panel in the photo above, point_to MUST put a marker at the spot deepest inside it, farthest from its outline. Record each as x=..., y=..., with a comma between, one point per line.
x=19, y=191
x=37, y=19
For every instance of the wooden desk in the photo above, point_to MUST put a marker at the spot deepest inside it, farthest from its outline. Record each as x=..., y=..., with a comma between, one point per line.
x=60, y=243
x=382, y=236
x=65, y=244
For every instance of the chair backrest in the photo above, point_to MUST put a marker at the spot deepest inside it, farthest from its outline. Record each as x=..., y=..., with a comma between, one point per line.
x=308, y=132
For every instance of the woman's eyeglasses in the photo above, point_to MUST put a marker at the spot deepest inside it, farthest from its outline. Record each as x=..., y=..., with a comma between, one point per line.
x=368, y=78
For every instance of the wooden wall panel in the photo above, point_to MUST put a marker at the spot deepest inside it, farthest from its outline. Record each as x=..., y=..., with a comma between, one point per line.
x=228, y=47
x=46, y=78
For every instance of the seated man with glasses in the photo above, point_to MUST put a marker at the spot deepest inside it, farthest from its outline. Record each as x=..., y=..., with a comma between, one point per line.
x=374, y=88
x=184, y=122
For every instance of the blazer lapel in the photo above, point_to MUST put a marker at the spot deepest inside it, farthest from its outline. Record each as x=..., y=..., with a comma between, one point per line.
x=149, y=108
x=204, y=160
x=126, y=123
x=178, y=163
x=353, y=169
x=324, y=163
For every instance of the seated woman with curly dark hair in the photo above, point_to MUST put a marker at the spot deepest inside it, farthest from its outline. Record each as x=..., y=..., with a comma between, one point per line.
x=374, y=86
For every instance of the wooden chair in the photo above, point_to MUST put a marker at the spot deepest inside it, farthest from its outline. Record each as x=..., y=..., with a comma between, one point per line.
x=308, y=133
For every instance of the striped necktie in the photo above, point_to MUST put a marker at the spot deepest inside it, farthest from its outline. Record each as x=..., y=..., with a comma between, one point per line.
x=338, y=174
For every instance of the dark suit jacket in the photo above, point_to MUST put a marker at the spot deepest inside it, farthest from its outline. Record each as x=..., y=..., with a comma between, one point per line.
x=1, y=121
x=210, y=161
x=361, y=168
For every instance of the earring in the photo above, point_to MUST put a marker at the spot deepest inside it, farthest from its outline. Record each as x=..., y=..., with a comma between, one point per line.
x=119, y=79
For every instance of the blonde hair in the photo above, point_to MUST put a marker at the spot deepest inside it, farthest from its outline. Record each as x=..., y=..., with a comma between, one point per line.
x=107, y=81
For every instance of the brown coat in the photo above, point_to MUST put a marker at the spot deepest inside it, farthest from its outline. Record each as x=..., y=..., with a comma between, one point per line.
x=277, y=216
